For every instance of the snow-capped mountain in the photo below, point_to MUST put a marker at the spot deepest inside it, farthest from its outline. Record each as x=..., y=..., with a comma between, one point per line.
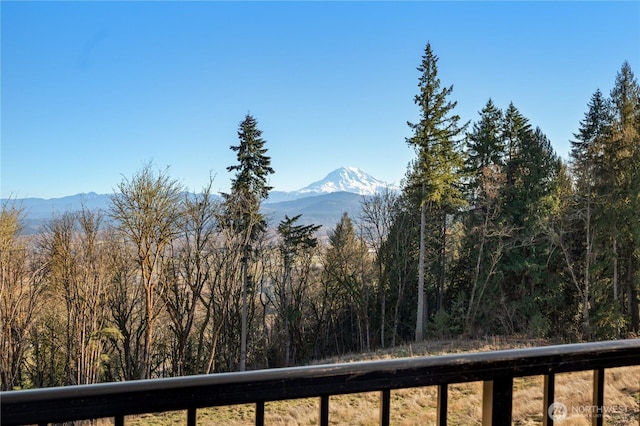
x=345, y=179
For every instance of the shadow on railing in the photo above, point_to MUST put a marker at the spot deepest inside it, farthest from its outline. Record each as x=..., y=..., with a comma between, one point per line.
x=496, y=369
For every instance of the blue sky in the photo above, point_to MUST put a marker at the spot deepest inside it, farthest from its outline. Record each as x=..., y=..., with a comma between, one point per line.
x=92, y=91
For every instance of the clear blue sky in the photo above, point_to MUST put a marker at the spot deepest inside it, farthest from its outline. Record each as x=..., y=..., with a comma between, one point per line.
x=91, y=91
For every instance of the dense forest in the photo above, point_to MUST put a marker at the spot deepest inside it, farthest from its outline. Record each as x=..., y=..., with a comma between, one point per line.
x=492, y=234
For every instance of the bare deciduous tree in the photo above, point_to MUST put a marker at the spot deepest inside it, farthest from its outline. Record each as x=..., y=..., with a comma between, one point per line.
x=20, y=295
x=187, y=270
x=377, y=219
x=148, y=210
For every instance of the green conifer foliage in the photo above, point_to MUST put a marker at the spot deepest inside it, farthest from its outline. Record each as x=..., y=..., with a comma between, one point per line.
x=436, y=170
x=532, y=168
x=485, y=146
x=295, y=240
x=249, y=186
x=248, y=189
x=624, y=180
x=586, y=155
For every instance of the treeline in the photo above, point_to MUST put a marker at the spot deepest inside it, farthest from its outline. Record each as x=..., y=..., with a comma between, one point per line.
x=491, y=234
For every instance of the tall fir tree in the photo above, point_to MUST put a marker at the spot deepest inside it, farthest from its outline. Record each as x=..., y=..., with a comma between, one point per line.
x=514, y=127
x=436, y=174
x=348, y=272
x=485, y=145
x=295, y=239
x=625, y=147
x=248, y=189
x=586, y=149
x=532, y=172
x=595, y=129
x=484, y=234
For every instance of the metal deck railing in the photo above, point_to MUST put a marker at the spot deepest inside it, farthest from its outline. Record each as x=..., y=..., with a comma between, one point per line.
x=496, y=369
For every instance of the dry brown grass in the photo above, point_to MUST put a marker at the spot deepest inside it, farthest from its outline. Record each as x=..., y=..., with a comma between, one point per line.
x=418, y=405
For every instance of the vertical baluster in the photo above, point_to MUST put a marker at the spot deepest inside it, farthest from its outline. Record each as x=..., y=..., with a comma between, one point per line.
x=385, y=407
x=260, y=413
x=597, y=415
x=549, y=398
x=324, y=410
x=118, y=420
x=191, y=417
x=496, y=401
x=442, y=404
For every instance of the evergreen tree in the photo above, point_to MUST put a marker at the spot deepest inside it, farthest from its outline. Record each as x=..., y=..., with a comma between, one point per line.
x=515, y=126
x=249, y=186
x=295, y=239
x=626, y=100
x=435, y=177
x=595, y=129
x=485, y=145
x=586, y=149
x=348, y=270
x=248, y=189
x=484, y=236
x=624, y=151
x=532, y=171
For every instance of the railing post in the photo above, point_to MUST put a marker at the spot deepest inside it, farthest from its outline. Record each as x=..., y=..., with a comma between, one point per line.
x=385, y=407
x=549, y=398
x=118, y=421
x=260, y=413
x=497, y=401
x=442, y=404
x=191, y=417
x=597, y=412
x=324, y=410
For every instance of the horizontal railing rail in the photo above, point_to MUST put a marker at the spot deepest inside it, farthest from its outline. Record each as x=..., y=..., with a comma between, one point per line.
x=496, y=369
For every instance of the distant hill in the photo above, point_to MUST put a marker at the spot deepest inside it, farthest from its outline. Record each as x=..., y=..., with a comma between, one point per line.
x=321, y=203
x=38, y=210
x=325, y=209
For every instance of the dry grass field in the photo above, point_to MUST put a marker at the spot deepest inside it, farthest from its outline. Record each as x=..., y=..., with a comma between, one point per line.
x=417, y=406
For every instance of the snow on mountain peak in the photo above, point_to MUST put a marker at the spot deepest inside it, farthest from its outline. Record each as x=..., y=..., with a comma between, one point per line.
x=348, y=179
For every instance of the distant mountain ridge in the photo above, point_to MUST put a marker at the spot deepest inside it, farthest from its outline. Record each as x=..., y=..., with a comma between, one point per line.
x=322, y=202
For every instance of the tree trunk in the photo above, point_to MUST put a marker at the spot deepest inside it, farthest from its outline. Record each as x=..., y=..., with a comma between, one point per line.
x=470, y=317
x=421, y=311
x=383, y=308
x=243, y=326
x=632, y=303
x=615, y=286
x=443, y=263
x=587, y=268
x=145, y=371
x=396, y=316
x=285, y=303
